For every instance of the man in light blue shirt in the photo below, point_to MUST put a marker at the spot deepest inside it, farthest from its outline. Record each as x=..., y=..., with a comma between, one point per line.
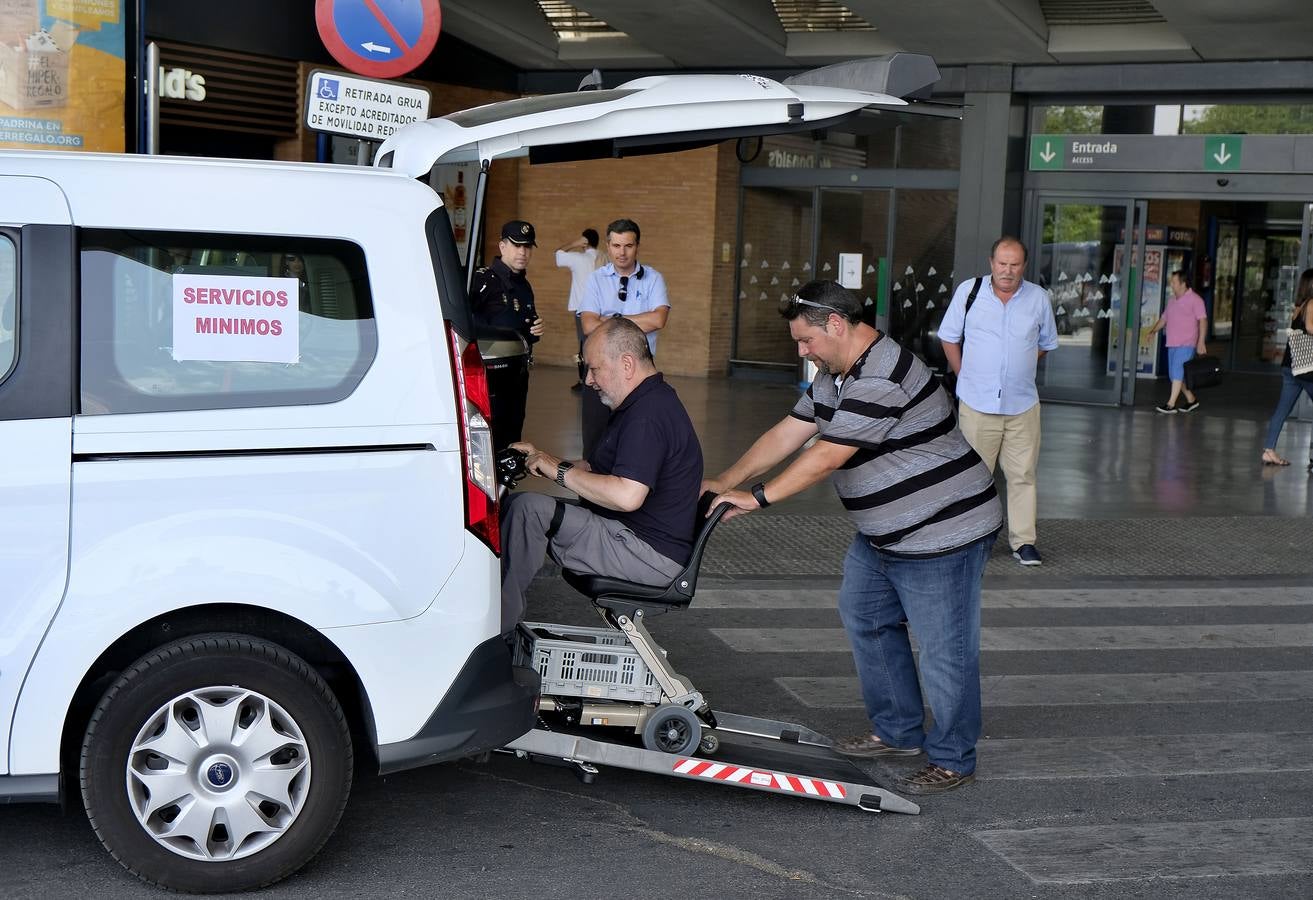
x=994, y=350
x=623, y=287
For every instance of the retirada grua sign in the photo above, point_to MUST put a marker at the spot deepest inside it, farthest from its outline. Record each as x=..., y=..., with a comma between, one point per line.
x=361, y=107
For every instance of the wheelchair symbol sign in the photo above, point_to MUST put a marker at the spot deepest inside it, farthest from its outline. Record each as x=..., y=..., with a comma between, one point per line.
x=327, y=89
x=380, y=38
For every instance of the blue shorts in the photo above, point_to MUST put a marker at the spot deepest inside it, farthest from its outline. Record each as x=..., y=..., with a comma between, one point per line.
x=1177, y=357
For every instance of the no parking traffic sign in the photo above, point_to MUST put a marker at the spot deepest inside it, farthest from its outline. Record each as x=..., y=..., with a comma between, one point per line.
x=381, y=38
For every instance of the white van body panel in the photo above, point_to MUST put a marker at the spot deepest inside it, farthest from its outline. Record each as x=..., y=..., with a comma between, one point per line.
x=655, y=105
x=409, y=385
x=25, y=200
x=342, y=515
x=34, y=479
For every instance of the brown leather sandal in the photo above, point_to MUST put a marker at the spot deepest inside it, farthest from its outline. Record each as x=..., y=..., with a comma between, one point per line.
x=868, y=746
x=934, y=779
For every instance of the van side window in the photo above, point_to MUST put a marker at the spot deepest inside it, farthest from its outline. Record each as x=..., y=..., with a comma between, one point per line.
x=179, y=321
x=8, y=305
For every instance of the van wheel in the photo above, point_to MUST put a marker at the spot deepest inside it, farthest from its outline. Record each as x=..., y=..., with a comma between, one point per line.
x=216, y=763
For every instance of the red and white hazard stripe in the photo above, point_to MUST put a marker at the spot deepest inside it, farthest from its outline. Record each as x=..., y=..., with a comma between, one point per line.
x=780, y=781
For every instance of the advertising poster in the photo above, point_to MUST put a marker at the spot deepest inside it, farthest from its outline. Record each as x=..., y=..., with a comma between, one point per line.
x=457, y=181
x=62, y=75
x=1151, y=307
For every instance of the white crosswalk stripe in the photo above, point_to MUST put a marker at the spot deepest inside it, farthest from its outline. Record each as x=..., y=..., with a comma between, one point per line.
x=1058, y=637
x=827, y=598
x=1221, y=657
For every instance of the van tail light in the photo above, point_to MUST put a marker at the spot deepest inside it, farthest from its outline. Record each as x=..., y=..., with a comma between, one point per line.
x=476, y=458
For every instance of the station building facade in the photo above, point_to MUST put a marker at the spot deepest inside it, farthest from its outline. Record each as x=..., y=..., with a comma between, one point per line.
x=1114, y=175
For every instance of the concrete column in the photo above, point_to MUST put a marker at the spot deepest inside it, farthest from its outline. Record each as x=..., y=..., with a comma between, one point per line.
x=993, y=162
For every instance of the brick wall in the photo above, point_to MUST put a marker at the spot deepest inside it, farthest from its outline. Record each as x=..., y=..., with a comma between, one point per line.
x=685, y=203
x=686, y=213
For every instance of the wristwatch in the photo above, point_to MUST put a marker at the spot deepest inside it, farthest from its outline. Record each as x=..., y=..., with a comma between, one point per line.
x=561, y=468
x=759, y=491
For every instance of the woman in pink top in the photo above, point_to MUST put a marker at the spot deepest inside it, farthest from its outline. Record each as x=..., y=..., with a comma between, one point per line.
x=1186, y=322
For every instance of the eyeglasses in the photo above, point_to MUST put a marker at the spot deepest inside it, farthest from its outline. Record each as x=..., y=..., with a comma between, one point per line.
x=624, y=288
x=789, y=307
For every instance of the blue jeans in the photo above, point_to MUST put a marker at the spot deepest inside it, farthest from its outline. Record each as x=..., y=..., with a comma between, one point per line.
x=939, y=598
x=1290, y=388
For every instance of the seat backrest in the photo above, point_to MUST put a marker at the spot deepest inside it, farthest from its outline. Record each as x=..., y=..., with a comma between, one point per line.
x=624, y=598
x=686, y=582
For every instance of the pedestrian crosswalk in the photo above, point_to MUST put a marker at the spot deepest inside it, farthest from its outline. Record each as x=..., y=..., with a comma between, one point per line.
x=1091, y=686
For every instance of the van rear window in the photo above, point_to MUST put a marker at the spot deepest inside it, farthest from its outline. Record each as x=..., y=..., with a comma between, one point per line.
x=8, y=305
x=177, y=321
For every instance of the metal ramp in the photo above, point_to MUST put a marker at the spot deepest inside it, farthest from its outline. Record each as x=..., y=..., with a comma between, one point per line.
x=756, y=754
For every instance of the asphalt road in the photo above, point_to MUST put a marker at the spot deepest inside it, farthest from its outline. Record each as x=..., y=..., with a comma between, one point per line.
x=1145, y=738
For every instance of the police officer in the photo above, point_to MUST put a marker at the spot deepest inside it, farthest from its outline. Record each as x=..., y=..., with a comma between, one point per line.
x=502, y=299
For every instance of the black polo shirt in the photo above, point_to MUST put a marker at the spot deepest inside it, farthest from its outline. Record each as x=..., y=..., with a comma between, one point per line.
x=650, y=439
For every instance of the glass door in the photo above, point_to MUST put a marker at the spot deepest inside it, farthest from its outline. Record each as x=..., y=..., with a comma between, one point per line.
x=1087, y=254
x=775, y=256
x=1268, y=274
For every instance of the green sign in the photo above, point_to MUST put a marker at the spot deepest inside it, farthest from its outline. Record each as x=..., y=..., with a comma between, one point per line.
x=1046, y=151
x=1222, y=153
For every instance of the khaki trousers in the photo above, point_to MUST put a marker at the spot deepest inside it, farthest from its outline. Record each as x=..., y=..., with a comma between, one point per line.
x=1012, y=441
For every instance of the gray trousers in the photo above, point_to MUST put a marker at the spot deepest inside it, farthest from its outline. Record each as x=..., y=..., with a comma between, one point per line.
x=584, y=542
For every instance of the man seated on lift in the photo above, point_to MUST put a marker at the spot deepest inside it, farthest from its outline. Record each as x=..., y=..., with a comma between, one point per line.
x=638, y=491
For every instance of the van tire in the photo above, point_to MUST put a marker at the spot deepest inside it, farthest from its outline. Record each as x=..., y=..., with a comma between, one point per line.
x=185, y=690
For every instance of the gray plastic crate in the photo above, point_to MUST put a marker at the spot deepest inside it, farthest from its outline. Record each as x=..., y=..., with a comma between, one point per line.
x=592, y=663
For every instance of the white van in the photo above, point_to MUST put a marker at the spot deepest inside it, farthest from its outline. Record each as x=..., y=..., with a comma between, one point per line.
x=249, y=537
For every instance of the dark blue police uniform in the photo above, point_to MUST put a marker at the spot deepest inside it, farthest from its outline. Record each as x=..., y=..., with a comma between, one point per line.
x=502, y=300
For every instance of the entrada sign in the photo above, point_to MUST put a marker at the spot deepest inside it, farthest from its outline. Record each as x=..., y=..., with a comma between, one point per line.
x=1275, y=153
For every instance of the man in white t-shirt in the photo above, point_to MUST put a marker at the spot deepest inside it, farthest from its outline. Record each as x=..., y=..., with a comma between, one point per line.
x=580, y=257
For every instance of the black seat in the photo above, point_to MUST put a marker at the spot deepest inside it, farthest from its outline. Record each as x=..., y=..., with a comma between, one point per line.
x=678, y=594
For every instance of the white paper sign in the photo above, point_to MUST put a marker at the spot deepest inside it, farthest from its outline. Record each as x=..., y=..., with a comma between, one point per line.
x=226, y=318
x=850, y=270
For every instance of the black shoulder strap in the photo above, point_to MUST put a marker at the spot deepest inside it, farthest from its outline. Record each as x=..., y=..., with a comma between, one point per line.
x=971, y=297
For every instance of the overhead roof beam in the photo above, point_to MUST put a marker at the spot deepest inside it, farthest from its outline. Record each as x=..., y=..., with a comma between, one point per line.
x=514, y=30
x=693, y=32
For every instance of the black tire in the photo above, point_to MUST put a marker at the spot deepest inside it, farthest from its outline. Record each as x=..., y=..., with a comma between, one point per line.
x=672, y=729
x=168, y=688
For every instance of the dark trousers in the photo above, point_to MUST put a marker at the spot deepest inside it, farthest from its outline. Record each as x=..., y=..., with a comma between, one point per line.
x=579, y=333
x=508, y=389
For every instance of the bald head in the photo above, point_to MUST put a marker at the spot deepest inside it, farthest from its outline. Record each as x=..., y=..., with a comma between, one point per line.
x=618, y=360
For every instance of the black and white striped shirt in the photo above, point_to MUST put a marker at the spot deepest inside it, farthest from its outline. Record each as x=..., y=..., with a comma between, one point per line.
x=914, y=487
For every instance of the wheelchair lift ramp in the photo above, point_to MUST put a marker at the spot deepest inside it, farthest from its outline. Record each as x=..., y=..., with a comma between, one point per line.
x=743, y=762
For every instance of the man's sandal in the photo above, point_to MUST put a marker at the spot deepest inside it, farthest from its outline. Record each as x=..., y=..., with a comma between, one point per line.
x=1270, y=458
x=934, y=779
x=868, y=746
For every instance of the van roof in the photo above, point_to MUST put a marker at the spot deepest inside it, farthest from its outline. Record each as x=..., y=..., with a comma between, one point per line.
x=106, y=190
x=13, y=159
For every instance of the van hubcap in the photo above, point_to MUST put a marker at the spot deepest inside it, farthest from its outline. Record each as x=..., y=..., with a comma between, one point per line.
x=218, y=773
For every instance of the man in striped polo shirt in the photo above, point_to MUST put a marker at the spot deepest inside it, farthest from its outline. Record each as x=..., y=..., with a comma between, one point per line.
x=926, y=514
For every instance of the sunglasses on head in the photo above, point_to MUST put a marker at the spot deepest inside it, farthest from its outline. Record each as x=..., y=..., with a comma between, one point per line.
x=789, y=306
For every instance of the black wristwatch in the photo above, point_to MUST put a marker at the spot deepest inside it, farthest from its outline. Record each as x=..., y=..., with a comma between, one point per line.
x=759, y=491
x=561, y=468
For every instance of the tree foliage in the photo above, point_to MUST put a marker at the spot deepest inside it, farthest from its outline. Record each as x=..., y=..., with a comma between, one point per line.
x=1265, y=118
